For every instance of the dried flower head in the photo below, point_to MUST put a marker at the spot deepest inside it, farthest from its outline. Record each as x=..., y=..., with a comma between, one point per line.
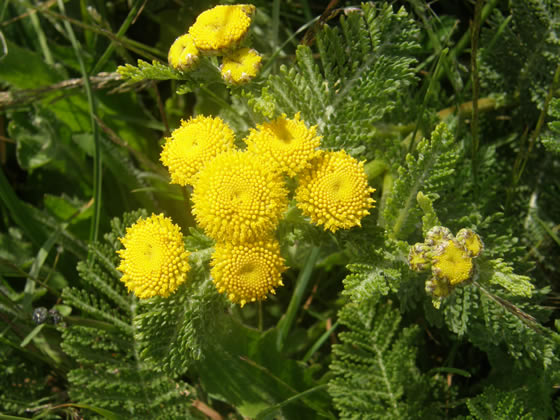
x=419, y=257
x=221, y=28
x=194, y=144
x=334, y=192
x=238, y=197
x=438, y=287
x=438, y=234
x=183, y=54
x=287, y=142
x=452, y=262
x=154, y=260
x=240, y=66
x=247, y=272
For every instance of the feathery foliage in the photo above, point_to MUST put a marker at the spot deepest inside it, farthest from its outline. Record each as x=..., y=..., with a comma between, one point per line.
x=428, y=171
x=110, y=373
x=522, y=52
x=374, y=366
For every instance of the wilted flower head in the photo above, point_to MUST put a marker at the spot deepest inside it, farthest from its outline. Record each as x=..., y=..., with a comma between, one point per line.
x=240, y=66
x=154, y=260
x=238, y=197
x=419, y=257
x=183, y=54
x=334, y=192
x=286, y=142
x=221, y=28
x=450, y=258
x=247, y=272
x=451, y=262
x=194, y=144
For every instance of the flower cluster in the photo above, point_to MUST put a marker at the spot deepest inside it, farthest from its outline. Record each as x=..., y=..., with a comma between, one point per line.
x=450, y=258
x=219, y=31
x=239, y=197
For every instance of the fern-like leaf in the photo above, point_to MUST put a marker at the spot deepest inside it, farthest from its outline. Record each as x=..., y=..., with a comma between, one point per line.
x=521, y=57
x=110, y=373
x=498, y=405
x=369, y=57
x=154, y=71
x=426, y=171
x=375, y=373
x=551, y=138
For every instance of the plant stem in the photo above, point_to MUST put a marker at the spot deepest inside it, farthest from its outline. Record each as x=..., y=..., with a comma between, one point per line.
x=286, y=322
x=97, y=163
x=475, y=31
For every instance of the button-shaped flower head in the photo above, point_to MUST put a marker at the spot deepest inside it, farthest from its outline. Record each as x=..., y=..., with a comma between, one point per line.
x=450, y=258
x=221, y=28
x=238, y=197
x=286, y=142
x=247, y=272
x=194, y=144
x=183, y=54
x=240, y=66
x=451, y=262
x=334, y=192
x=154, y=260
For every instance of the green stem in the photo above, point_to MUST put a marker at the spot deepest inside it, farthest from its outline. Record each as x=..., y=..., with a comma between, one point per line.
x=463, y=42
x=97, y=163
x=475, y=92
x=42, y=39
x=141, y=49
x=319, y=342
x=122, y=30
x=287, y=321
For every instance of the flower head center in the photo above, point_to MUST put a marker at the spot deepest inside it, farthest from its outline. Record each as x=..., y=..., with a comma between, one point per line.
x=340, y=189
x=249, y=269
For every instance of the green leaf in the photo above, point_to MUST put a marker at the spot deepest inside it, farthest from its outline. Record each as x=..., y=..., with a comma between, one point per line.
x=154, y=71
x=429, y=170
x=24, y=69
x=244, y=368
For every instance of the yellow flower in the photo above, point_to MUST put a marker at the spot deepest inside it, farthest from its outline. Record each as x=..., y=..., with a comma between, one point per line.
x=247, y=272
x=183, y=54
x=334, y=192
x=238, y=197
x=194, y=144
x=240, y=66
x=221, y=28
x=452, y=263
x=154, y=260
x=287, y=142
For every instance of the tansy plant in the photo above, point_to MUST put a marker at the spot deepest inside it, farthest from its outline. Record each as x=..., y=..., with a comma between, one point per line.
x=364, y=227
